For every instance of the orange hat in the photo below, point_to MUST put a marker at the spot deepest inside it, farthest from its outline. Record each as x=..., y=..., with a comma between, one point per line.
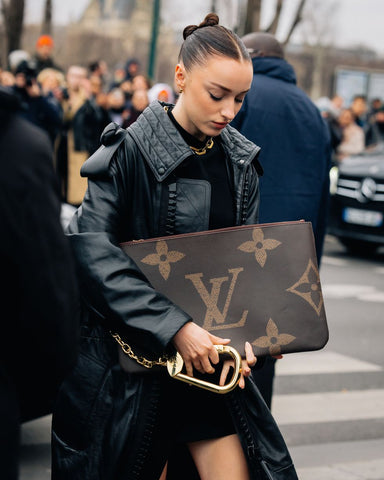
x=44, y=40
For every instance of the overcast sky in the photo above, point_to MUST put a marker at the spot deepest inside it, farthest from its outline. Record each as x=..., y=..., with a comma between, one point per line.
x=353, y=21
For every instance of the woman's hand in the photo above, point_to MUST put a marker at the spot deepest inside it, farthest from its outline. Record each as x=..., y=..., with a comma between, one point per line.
x=247, y=364
x=196, y=346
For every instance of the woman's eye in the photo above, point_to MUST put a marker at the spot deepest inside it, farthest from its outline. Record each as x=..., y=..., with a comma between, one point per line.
x=216, y=99
x=239, y=100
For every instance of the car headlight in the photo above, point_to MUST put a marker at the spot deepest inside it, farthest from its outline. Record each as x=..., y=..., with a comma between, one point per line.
x=333, y=178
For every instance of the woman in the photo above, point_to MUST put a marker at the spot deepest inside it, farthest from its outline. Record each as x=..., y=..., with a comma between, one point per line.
x=177, y=169
x=353, y=140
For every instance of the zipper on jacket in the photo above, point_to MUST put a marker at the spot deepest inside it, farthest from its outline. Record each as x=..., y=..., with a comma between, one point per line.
x=148, y=433
x=252, y=451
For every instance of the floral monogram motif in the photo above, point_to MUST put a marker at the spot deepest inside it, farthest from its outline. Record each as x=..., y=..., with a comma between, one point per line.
x=273, y=340
x=163, y=258
x=259, y=246
x=308, y=287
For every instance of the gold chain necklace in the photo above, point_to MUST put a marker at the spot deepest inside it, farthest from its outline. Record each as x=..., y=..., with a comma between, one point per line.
x=198, y=151
x=203, y=150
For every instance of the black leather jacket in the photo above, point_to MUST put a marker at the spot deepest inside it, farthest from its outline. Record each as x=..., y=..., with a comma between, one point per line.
x=133, y=194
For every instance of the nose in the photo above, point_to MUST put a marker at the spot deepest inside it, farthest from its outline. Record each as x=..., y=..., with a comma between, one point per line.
x=228, y=110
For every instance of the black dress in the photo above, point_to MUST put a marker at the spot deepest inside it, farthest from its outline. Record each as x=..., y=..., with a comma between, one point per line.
x=200, y=414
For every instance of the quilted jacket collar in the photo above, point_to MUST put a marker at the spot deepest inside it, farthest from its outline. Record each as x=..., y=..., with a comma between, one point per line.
x=164, y=148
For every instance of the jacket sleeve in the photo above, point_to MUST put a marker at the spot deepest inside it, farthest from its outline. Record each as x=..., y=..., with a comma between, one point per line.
x=253, y=201
x=110, y=281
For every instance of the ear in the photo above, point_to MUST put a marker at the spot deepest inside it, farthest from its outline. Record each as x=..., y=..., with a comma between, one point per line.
x=180, y=76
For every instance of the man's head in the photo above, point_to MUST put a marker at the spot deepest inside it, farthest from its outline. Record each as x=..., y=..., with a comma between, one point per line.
x=261, y=44
x=44, y=46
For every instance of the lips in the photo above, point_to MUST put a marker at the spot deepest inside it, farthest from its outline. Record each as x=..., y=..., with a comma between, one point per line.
x=220, y=124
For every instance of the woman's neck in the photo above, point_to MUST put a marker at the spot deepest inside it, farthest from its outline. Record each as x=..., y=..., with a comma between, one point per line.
x=182, y=119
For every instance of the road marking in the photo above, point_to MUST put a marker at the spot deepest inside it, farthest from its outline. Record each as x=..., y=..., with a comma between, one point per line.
x=338, y=262
x=328, y=407
x=372, y=470
x=321, y=363
x=365, y=293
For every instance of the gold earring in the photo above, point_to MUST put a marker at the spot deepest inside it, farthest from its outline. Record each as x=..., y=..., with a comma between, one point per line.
x=181, y=90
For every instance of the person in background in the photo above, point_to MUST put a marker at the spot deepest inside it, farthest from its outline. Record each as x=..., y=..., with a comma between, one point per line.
x=52, y=85
x=330, y=110
x=71, y=151
x=36, y=108
x=7, y=79
x=336, y=104
x=353, y=137
x=375, y=131
x=295, y=151
x=39, y=294
x=94, y=114
x=132, y=68
x=99, y=68
x=118, y=106
x=359, y=108
x=43, y=56
x=139, y=102
x=140, y=82
x=16, y=57
x=118, y=77
x=161, y=91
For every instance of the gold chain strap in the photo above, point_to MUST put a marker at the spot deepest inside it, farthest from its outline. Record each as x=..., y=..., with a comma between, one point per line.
x=141, y=360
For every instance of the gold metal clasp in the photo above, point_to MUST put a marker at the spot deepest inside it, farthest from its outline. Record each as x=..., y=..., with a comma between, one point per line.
x=176, y=363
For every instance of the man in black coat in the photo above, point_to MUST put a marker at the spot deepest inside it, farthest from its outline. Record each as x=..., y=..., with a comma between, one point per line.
x=39, y=303
x=295, y=150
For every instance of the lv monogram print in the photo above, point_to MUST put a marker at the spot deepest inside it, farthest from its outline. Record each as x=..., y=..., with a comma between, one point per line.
x=259, y=280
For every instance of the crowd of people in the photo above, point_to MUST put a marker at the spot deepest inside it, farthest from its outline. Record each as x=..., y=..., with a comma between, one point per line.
x=75, y=104
x=355, y=127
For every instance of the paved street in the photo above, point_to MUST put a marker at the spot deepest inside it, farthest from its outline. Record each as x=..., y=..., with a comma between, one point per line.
x=329, y=404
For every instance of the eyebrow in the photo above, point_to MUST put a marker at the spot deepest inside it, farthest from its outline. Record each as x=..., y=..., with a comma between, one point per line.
x=226, y=89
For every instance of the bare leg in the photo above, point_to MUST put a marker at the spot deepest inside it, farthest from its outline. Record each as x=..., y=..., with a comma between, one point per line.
x=164, y=474
x=221, y=458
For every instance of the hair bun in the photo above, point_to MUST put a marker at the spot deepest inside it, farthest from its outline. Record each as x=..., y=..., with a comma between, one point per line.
x=209, y=21
x=189, y=30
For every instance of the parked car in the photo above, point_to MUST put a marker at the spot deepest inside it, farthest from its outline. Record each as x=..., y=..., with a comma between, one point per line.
x=357, y=201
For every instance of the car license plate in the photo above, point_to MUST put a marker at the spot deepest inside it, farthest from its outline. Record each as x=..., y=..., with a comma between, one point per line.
x=363, y=217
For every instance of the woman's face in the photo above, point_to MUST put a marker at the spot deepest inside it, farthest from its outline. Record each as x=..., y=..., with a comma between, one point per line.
x=212, y=94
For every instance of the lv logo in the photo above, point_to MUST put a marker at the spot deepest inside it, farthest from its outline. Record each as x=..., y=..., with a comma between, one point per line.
x=211, y=298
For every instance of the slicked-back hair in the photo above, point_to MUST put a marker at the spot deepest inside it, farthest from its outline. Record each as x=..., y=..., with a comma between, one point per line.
x=207, y=39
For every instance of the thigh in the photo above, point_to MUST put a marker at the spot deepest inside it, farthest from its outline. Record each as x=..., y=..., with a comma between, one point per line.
x=221, y=458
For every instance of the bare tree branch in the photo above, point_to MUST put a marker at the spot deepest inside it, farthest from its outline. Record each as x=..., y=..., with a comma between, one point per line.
x=275, y=21
x=252, y=21
x=13, y=14
x=297, y=20
x=46, y=27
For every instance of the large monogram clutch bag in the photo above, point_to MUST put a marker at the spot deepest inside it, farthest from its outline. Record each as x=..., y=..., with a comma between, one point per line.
x=256, y=283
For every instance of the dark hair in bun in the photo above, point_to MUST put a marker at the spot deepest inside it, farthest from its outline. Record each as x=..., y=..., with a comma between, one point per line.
x=210, y=38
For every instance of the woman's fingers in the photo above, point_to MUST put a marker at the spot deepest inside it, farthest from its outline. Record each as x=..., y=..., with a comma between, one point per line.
x=249, y=355
x=218, y=340
x=225, y=370
x=188, y=367
x=206, y=365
